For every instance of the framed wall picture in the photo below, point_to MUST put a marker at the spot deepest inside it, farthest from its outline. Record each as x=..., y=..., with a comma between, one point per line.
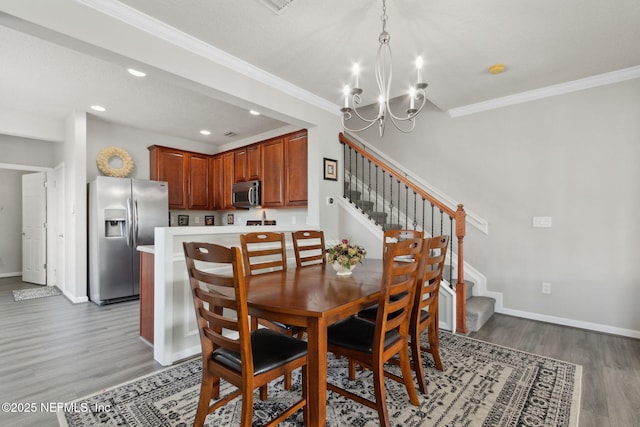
x=209, y=220
x=330, y=169
x=229, y=219
x=183, y=219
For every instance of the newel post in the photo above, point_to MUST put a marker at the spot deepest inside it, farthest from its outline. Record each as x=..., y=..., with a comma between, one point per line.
x=461, y=289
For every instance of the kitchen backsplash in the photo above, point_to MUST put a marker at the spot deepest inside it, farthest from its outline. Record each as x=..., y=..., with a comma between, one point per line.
x=239, y=217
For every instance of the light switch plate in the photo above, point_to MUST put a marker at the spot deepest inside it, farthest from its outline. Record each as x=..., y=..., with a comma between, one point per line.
x=542, y=221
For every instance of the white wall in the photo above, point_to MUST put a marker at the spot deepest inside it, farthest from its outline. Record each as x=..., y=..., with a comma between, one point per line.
x=10, y=222
x=573, y=157
x=19, y=156
x=102, y=134
x=26, y=151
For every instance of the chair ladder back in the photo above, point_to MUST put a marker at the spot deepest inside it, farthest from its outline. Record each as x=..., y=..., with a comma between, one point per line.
x=257, y=256
x=394, y=235
x=435, y=253
x=212, y=293
x=309, y=247
x=398, y=285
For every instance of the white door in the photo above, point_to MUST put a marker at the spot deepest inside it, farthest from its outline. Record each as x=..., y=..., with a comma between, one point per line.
x=34, y=228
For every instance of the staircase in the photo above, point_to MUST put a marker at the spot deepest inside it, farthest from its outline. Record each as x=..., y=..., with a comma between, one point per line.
x=391, y=201
x=479, y=309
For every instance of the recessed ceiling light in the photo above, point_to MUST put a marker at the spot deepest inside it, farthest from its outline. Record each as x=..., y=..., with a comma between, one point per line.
x=98, y=108
x=496, y=69
x=254, y=112
x=136, y=73
x=205, y=132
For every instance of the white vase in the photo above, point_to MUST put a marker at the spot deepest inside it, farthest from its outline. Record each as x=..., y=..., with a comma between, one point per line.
x=341, y=270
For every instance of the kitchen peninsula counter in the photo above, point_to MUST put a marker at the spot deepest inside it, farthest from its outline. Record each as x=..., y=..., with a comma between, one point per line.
x=175, y=336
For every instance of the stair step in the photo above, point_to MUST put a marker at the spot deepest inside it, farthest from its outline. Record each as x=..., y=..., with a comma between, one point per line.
x=365, y=205
x=379, y=217
x=392, y=227
x=353, y=195
x=479, y=310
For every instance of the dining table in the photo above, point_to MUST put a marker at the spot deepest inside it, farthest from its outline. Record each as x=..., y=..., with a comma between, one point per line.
x=314, y=297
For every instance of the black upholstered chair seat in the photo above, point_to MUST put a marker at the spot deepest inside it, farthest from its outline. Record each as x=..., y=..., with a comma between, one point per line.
x=357, y=334
x=270, y=349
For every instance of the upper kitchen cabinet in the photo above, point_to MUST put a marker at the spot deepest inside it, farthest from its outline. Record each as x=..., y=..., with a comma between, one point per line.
x=273, y=173
x=295, y=159
x=199, y=192
x=284, y=171
x=247, y=163
x=170, y=165
x=187, y=174
x=222, y=178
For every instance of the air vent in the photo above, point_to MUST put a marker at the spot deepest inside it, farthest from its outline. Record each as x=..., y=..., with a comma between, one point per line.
x=276, y=6
x=230, y=134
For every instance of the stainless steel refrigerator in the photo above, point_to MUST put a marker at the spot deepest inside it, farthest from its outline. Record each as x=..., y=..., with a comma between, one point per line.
x=123, y=214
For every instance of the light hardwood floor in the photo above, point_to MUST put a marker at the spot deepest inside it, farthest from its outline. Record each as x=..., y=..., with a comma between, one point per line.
x=55, y=351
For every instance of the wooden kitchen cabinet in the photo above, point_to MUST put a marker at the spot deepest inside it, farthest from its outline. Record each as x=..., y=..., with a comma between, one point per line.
x=146, y=295
x=171, y=165
x=295, y=171
x=284, y=171
x=215, y=180
x=227, y=178
x=199, y=194
x=187, y=174
x=247, y=163
x=273, y=173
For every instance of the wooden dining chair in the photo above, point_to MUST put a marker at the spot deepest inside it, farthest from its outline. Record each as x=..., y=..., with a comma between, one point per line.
x=392, y=236
x=309, y=247
x=399, y=235
x=263, y=252
x=372, y=344
x=249, y=361
x=424, y=314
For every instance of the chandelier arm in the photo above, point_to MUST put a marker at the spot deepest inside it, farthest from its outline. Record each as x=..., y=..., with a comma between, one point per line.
x=410, y=120
x=364, y=119
x=393, y=116
x=371, y=123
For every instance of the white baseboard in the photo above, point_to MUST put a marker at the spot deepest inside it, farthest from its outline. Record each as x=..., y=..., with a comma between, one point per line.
x=73, y=299
x=14, y=274
x=597, y=327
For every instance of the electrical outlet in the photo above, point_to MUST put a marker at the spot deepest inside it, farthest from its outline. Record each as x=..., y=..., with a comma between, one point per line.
x=546, y=287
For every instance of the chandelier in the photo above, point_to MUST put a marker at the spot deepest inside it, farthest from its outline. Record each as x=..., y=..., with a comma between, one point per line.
x=384, y=72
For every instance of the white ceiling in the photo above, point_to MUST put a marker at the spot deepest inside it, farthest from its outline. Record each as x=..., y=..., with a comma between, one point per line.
x=312, y=44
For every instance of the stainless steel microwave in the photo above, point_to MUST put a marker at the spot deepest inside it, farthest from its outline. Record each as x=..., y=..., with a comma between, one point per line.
x=246, y=194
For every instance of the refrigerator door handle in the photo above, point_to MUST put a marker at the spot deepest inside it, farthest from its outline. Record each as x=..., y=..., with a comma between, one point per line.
x=134, y=237
x=129, y=227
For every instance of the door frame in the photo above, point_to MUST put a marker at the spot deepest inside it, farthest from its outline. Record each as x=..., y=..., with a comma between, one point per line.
x=51, y=206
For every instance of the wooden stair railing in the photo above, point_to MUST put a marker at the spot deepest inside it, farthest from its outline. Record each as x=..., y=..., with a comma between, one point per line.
x=457, y=216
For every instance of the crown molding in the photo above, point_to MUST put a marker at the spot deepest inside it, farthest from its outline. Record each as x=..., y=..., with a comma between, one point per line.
x=161, y=30
x=546, y=92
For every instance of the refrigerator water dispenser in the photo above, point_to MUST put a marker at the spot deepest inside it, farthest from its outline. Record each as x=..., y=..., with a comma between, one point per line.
x=114, y=222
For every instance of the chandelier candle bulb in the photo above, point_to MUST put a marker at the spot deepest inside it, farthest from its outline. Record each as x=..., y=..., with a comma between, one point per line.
x=346, y=92
x=419, y=64
x=356, y=72
x=412, y=98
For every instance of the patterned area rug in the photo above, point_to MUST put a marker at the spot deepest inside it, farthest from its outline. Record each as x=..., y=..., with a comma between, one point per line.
x=33, y=293
x=483, y=385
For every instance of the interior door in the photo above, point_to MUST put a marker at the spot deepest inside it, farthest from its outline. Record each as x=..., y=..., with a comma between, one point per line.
x=34, y=228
